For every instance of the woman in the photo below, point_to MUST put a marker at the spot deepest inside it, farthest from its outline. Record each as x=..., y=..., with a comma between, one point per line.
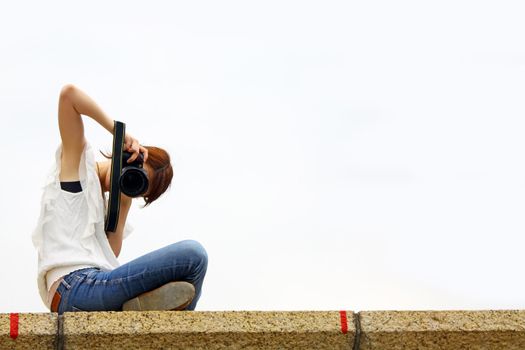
x=77, y=265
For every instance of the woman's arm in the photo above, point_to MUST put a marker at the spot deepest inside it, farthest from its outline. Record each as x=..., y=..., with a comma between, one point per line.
x=72, y=103
x=115, y=238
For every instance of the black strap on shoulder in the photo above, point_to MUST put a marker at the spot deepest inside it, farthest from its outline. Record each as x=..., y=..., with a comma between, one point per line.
x=119, y=131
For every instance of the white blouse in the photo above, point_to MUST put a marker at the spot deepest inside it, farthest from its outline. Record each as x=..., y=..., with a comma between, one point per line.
x=70, y=231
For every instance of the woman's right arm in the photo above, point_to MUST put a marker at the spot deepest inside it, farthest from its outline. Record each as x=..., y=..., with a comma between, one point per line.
x=73, y=102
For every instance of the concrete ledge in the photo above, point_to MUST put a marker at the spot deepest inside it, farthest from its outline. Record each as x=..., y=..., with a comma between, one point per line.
x=266, y=330
x=442, y=330
x=207, y=330
x=28, y=331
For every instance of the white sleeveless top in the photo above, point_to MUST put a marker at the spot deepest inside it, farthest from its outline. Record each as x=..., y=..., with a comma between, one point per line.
x=70, y=231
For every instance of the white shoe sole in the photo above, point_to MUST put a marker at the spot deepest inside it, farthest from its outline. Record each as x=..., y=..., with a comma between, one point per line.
x=171, y=296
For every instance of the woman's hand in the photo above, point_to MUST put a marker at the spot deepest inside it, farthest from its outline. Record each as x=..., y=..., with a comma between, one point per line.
x=132, y=145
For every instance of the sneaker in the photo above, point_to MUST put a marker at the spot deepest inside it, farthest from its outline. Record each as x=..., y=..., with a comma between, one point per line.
x=171, y=296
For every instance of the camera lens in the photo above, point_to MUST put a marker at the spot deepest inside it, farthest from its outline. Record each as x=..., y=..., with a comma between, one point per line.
x=133, y=181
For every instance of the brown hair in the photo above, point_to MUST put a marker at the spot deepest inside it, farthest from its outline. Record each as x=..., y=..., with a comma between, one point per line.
x=159, y=161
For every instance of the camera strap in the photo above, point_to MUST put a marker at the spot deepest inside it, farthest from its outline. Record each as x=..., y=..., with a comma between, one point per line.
x=119, y=130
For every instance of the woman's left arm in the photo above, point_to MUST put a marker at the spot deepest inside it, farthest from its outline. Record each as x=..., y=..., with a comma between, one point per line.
x=115, y=238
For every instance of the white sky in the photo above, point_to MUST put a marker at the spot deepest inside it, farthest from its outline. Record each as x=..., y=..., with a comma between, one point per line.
x=329, y=155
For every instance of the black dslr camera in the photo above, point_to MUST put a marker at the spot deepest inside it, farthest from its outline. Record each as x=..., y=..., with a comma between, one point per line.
x=133, y=179
x=130, y=179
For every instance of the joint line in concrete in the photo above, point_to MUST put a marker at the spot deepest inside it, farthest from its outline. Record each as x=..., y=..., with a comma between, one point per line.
x=357, y=324
x=59, y=339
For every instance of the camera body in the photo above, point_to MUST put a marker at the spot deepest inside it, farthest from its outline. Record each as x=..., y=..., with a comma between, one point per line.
x=133, y=179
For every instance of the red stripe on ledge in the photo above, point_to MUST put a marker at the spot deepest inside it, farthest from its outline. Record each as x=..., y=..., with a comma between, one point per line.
x=344, y=322
x=14, y=325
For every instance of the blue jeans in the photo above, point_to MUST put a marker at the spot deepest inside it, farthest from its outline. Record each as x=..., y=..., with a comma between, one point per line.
x=92, y=289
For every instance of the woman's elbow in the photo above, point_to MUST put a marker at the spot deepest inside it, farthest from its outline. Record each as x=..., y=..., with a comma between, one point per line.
x=67, y=91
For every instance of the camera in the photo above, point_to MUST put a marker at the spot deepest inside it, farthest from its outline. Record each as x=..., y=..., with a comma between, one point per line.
x=133, y=179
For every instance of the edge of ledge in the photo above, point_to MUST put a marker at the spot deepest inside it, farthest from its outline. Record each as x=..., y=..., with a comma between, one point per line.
x=456, y=329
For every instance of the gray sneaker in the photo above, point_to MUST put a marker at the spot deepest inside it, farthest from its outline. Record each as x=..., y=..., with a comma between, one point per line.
x=171, y=296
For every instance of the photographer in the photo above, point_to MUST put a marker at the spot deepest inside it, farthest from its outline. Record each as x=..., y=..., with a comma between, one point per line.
x=77, y=260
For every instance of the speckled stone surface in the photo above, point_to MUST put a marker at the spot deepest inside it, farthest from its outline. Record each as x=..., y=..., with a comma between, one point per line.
x=442, y=330
x=207, y=330
x=35, y=331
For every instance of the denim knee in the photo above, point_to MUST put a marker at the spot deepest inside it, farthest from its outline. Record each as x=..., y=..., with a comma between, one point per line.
x=197, y=252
